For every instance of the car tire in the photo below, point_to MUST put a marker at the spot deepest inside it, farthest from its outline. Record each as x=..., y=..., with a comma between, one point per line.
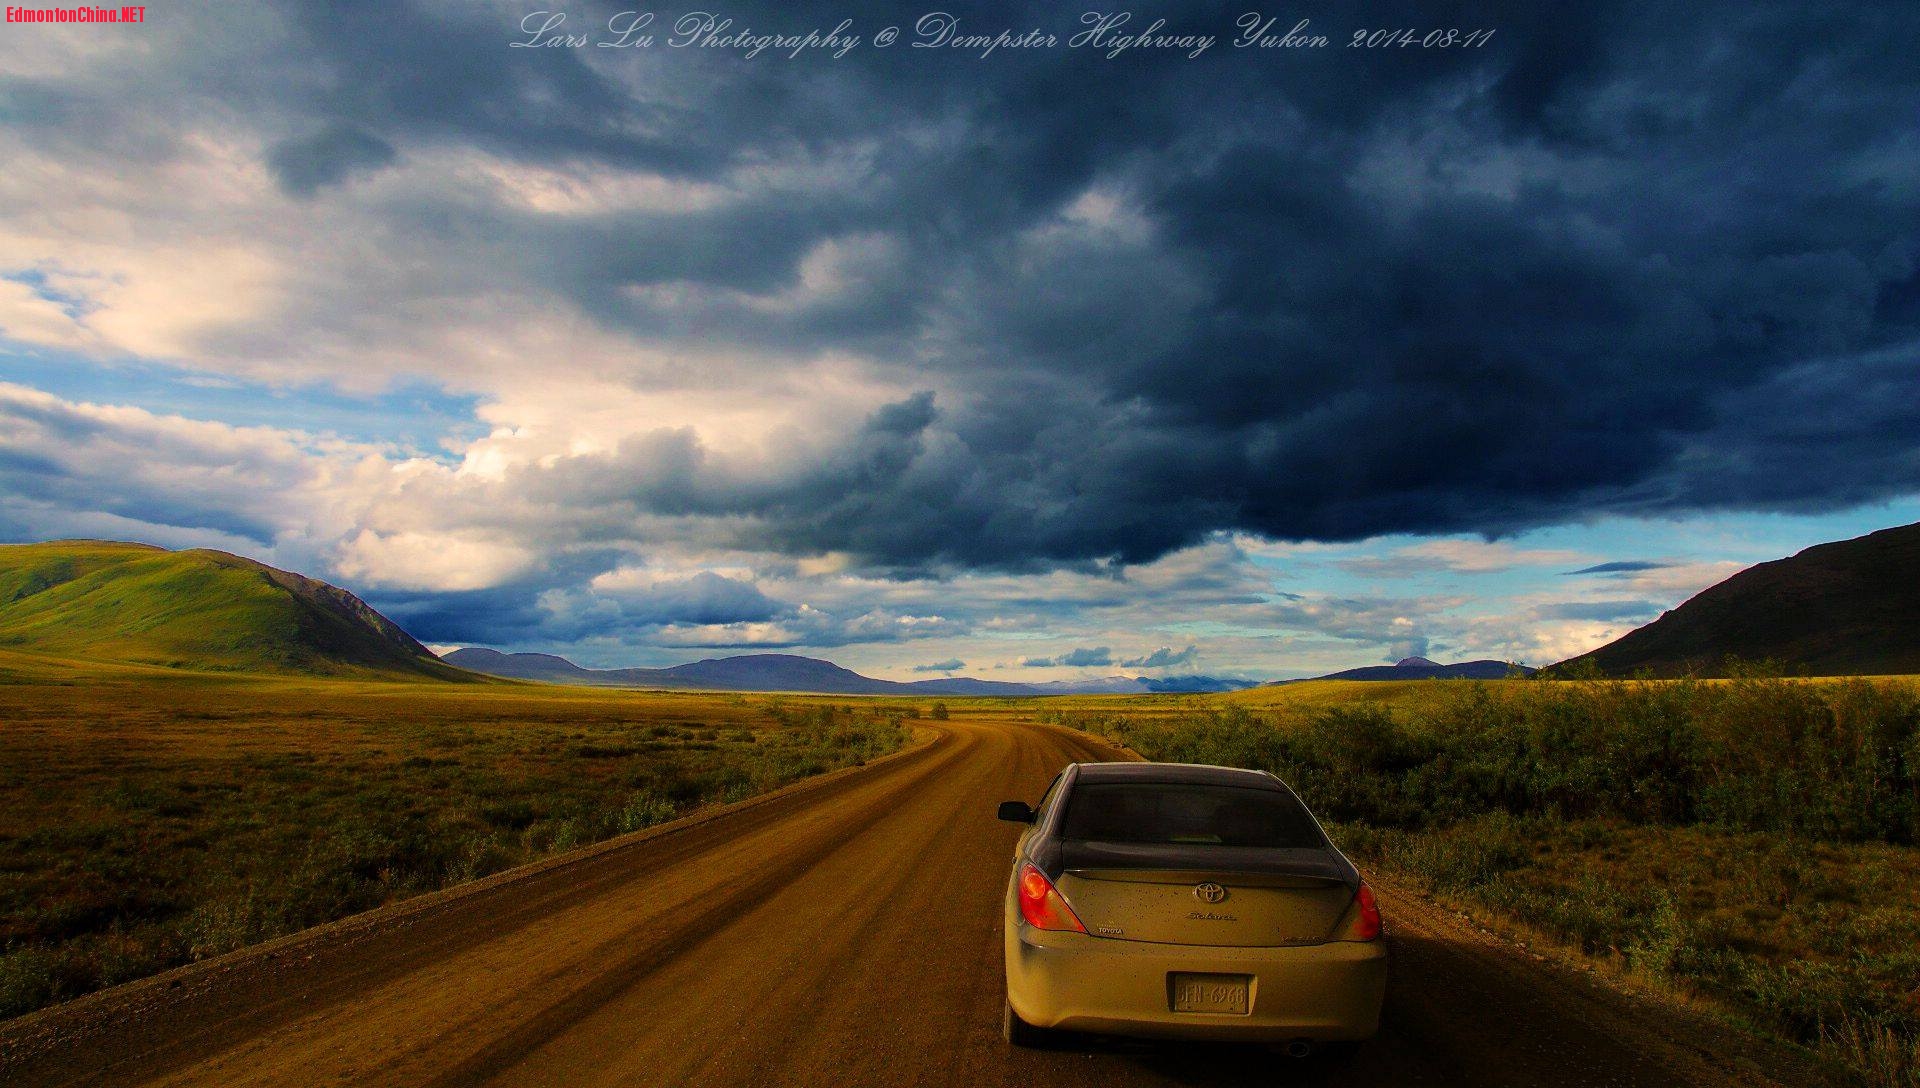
x=1019, y=1032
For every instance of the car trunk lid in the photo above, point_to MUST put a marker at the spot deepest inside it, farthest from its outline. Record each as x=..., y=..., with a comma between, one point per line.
x=1217, y=896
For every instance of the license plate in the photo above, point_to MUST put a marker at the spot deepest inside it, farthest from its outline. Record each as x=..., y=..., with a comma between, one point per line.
x=1211, y=993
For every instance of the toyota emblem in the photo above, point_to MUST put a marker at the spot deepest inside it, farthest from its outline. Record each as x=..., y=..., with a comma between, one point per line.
x=1209, y=892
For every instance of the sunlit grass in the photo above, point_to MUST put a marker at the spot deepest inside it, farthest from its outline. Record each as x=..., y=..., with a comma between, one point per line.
x=195, y=610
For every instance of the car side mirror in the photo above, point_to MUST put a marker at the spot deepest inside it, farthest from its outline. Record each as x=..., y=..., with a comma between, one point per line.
x=1017, y=812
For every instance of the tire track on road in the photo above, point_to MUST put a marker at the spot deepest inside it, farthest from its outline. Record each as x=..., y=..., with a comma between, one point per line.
x=721, y=910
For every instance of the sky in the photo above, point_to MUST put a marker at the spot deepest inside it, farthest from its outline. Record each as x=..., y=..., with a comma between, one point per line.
x=1026, y=362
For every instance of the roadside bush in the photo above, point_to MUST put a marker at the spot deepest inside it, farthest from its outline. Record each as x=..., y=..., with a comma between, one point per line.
x=1720, y=838
x=1880, y=1055
x=1837, y=761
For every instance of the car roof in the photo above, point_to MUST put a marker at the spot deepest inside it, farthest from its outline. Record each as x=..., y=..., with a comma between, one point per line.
x=1178, y=773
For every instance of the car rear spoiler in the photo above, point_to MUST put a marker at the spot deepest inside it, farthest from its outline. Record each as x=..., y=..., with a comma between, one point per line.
x=1179, y=863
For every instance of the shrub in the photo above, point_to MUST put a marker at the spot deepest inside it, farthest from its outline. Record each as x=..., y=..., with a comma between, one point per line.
x=1831, y=761
x=1560, y=803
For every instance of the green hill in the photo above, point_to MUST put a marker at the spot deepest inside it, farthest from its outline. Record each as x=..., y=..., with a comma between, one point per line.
x=1846, y=608
x=114, y=602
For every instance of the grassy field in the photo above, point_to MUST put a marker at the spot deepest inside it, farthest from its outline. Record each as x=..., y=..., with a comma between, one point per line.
x=1749, y=844
x=149, y=818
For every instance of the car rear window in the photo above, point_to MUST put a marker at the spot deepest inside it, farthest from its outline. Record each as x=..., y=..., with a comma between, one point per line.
x=1188, y=814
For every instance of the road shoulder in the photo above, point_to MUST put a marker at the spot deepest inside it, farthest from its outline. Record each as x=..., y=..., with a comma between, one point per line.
x=1691, y=1041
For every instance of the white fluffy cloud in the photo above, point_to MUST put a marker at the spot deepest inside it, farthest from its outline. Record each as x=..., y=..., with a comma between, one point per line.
x=258, y=483
x=435, y=561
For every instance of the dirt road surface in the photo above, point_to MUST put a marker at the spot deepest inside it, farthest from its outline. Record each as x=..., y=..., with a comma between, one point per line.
x=845, y=932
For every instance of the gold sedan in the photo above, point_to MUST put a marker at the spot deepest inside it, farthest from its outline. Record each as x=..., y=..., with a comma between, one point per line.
x=1190, y=902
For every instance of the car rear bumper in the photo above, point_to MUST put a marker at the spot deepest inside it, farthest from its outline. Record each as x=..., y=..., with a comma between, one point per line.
x=1325, y=992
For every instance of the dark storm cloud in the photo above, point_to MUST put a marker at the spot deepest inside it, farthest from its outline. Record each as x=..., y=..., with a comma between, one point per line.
x=704, y=598
x=1562, y=276
x=525, y=610
x=490, y=617
x=1083, y=657
x=1622, y=566
x=1164, y=657
x=445, y=73
x=304, y=166
x=1629, y=258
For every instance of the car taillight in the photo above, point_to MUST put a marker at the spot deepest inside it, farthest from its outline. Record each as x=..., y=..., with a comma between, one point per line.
x=1367, y=926
x=1042, y=905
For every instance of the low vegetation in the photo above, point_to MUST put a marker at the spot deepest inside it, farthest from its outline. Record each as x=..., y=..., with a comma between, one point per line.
x=1750, y=843
x=151, y=823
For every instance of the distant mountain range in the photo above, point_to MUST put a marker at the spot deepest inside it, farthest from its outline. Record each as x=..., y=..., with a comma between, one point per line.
x=94, y=600
x=1419, y=668
x=1850, y=607
x=1847, y=608
x=790, y=672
